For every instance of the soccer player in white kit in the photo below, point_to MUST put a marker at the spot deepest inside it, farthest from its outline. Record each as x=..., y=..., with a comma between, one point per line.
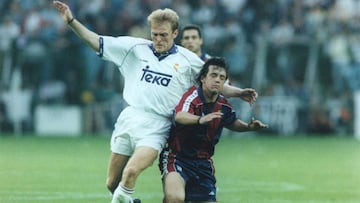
x=156, y=74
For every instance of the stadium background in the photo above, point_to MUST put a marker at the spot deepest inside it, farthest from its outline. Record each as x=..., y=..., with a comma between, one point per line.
x=302, y=56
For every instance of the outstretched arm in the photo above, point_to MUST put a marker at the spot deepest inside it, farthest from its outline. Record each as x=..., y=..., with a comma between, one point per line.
x=241, y=126
x=238, y=125
x=187, y=118
x=246, y=94
x=89, y=37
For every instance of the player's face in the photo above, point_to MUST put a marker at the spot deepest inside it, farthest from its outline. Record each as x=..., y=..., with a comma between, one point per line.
x=192, y=41
x=162, y=36
x=214, y=80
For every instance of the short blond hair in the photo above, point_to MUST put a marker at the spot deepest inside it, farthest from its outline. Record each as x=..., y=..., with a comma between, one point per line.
x=163, y=15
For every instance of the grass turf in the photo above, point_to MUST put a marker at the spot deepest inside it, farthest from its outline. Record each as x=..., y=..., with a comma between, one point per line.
x=257, y=169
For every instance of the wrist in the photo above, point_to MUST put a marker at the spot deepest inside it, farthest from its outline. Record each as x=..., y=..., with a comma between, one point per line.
x=70, y=21
x=198, y=120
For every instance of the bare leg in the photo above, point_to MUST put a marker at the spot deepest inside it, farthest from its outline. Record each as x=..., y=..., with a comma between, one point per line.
x=116, y=166
x=200, y=202
x=174, y=188
x=142, y=158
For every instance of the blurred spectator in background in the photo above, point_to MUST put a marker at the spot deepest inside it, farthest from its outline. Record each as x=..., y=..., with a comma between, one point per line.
x=183, y=8
x=9, y=31
x=339, y=52
x=281, y=37
x=18, y=102
x=320, y=122
x=235, y=52
x=354, y=76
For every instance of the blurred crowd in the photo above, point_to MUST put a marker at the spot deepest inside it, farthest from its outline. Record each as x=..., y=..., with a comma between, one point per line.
x=58, y=68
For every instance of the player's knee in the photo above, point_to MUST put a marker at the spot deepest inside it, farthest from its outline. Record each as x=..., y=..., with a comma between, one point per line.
x=131, y=172
x=173, y=198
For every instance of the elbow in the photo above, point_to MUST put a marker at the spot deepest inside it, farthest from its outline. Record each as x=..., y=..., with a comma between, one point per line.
x=177, y=118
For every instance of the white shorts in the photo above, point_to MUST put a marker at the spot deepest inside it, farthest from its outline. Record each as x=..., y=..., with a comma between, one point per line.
x=135, y=128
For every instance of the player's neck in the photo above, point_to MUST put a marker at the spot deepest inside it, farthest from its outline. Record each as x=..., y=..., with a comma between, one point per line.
x=210, y=97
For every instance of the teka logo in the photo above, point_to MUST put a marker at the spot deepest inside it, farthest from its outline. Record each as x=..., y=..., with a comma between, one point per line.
x=155, y=77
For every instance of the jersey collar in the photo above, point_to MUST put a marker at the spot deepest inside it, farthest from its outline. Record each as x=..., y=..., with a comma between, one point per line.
x=172, y=50
x=206, y=108
x=204, y=56
x=202, y=97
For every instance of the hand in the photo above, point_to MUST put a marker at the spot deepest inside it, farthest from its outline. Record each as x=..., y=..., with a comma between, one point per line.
x=256, y=125
x=249, y=95
x=63, y=10
x=209, y=117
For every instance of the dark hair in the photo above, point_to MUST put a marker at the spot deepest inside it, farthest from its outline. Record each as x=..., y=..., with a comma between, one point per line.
x=191, y=27
x=215, y=61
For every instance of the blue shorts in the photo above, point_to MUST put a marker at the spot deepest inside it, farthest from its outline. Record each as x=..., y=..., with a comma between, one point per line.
x=199, y=176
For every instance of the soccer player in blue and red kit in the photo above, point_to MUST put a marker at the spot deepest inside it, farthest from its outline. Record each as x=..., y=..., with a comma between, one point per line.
x=186, y=162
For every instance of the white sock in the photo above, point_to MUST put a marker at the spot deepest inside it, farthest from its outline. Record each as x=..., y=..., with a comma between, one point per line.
x=122, y=195
x=126, y=190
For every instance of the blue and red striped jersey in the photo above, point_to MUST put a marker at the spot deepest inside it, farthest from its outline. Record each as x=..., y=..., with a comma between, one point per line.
x=198, y=141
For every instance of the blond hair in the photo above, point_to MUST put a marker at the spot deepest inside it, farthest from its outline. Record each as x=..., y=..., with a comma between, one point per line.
x=163, y=15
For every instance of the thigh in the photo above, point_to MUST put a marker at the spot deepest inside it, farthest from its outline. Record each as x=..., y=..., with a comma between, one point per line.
x=142, y=158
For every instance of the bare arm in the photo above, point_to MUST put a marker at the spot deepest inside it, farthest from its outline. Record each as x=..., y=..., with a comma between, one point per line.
x=186, y=118
x=89, y=37
x=246, y=94
x=241, y=126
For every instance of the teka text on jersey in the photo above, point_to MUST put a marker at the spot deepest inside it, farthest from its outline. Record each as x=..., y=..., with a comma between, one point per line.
x=155, y=77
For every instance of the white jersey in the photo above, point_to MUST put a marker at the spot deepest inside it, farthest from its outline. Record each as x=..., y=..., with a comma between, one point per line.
x=152, y=84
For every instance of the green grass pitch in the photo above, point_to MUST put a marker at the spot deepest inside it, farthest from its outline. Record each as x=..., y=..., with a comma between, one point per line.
x=259, y=169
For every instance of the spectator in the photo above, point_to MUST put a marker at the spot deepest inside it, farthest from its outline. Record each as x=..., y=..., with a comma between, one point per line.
x=9, y=31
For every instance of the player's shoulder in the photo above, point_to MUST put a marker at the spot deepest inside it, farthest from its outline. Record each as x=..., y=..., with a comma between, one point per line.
x=128, y=40
x=136, y=40
x=185, y=51
x=193, y=88
x=191, y=93
x=223, y=101
x=189, y=55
